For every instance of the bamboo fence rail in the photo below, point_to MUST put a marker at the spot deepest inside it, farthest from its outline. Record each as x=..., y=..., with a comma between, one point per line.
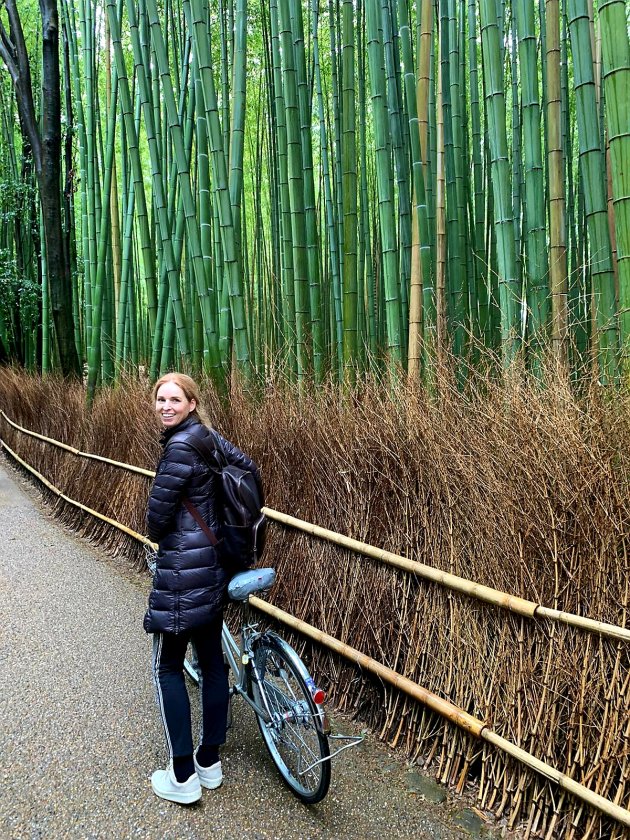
x=513, y=603
x=443, y=707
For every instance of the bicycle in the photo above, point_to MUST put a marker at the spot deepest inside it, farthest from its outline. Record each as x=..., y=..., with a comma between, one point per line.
x=272, y=679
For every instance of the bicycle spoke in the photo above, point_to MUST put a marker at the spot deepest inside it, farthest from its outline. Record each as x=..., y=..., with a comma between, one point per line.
x=292, y=734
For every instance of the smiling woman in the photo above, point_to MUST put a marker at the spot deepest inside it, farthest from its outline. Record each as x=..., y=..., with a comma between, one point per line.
x=176, y=398
x=189, y=589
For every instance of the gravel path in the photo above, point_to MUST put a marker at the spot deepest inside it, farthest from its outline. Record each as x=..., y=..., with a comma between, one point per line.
x=80, y=733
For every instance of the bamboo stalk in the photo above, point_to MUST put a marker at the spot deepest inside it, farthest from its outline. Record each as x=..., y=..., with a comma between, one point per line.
x=57, y=492
x=448, y=710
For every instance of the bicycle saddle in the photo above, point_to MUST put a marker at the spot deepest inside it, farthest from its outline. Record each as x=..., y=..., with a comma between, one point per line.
x=245, y=584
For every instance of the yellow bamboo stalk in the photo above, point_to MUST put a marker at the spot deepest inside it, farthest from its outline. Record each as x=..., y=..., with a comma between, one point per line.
x=447, y=710
x=476, y=590
x=513, y=603
x=602, y=804
x=121, y=464
x=415, y=300
x=140, y=537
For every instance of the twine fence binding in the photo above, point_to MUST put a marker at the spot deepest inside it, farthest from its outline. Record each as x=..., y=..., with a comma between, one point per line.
x=512, y=603
x=443, y=707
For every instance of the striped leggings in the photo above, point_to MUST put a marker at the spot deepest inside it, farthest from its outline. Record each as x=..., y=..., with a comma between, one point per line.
x=169, y=651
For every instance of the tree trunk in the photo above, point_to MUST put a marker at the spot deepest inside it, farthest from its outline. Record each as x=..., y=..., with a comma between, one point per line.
x=47, y=160
x=50, y=190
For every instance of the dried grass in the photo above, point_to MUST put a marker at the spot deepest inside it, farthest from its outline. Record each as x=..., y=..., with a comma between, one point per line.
x=520, y=487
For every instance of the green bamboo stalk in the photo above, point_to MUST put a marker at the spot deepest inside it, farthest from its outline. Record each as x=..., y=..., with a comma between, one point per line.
x=349, y=191
x=90, y=244
x=536, y=264
x=517, y=168
x=204, y=205
x=279, y=130
x=481, y=313
x=70, y=27
x=337, y=330
x=616, y=74
x=304, y=93
x=593, y=171
x=97, y=346
x=122, y=320
x=225, y=7
x=384, y=174
x=456, y=287
x=555, y=163
x=364, y=209
x=426, y=114
x=46, y=318
x=458, y=110
x=237, y=123
x=334, y=25
x=501, y=188
x=401, y=161
x=296, y=190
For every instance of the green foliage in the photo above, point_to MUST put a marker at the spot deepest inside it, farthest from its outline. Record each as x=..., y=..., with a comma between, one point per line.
x=20, y=300
x=274, y=154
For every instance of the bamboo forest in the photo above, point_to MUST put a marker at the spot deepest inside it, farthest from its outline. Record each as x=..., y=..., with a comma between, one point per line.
x=299, y=190
x=391, y=241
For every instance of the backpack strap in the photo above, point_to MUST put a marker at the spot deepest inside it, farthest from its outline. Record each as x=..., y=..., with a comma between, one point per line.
x=192, y=510
x=212, y=455
x=208, y=454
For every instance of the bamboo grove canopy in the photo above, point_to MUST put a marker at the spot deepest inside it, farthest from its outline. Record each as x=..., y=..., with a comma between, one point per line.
x=302, y=189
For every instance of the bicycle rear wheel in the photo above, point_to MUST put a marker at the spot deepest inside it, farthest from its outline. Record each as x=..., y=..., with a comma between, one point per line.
x=293, y=733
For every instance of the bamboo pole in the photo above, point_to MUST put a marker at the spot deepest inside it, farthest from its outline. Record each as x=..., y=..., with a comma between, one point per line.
x=447, y=710
x=61, y=495
x=513, y=603
x=58, y=443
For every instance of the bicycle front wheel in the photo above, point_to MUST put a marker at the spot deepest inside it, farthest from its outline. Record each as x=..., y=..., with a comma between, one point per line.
x=293, y=727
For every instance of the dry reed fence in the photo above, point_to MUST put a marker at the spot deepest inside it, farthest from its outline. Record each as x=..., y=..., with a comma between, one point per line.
x=517, y=487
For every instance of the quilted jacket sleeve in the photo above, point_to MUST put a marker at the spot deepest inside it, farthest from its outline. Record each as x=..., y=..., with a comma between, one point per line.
x=172, y=477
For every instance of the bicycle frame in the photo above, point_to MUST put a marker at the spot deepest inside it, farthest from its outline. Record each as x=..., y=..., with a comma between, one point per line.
x=240, y=656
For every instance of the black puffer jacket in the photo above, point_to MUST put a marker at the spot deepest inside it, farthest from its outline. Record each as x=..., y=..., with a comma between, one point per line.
x=189, y=583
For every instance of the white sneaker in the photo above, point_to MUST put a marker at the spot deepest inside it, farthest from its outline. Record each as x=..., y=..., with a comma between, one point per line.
x=210, y=777
x=166, y=786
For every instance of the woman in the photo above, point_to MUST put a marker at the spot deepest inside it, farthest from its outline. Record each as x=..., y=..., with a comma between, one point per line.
x=189, y=587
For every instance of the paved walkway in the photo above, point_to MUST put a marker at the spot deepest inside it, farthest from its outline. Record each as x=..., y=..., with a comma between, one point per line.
x=79, y=731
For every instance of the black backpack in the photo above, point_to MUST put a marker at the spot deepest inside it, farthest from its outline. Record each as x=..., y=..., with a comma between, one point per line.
x=242, y=524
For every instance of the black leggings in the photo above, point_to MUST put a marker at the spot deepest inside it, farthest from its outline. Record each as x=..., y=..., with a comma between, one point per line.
x=169, y=651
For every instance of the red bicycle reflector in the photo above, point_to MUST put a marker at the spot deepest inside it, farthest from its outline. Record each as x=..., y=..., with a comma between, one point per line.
x=319, y=696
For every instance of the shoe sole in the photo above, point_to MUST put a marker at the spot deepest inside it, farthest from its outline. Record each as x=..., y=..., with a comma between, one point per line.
x=213, y=785
x=179, y=798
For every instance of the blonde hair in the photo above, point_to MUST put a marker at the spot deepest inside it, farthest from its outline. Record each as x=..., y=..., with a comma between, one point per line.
x=188, y=386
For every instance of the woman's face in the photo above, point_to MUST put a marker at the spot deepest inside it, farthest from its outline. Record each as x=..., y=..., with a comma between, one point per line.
x=171, y=405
